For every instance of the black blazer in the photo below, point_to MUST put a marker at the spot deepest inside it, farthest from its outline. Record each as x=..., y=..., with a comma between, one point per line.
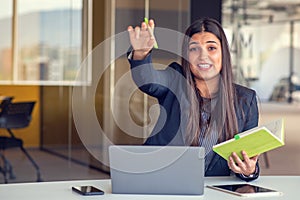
x=168, y=86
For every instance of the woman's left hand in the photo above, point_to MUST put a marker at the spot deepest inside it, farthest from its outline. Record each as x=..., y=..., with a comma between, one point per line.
x=246, y=167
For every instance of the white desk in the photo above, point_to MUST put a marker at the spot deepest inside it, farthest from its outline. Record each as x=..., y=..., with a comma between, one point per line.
x=289, y=185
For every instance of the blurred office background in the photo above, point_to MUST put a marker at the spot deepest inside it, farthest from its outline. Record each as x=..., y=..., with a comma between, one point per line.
x=69, y=57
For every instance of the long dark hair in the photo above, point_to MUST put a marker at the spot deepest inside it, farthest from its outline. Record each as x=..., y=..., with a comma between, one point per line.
x=224, y=113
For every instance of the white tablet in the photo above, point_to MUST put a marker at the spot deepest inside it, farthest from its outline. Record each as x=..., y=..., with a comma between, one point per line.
x=245, y=190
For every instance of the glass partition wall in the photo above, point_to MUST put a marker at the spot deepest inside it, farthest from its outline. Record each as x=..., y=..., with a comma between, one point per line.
x=128, y=115
x=110, y=108
x=42, y=45
x=265, y=58
x=73, y=54
x=172, y=15
x=264, y=42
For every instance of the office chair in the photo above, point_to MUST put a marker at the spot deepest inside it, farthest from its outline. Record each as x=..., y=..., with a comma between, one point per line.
x=4, y=101
x=15, y=116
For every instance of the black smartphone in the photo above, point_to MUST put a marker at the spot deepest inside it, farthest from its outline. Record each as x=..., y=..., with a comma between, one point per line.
x=87, y=190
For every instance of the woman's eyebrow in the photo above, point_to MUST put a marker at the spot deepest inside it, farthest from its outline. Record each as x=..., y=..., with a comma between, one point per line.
x=193, y=42
x=209, y=41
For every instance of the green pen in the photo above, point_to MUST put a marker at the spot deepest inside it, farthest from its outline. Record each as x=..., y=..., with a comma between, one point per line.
x=150, y=30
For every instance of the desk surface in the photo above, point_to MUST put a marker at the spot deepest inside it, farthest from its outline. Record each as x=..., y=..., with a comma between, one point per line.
x=289, y=185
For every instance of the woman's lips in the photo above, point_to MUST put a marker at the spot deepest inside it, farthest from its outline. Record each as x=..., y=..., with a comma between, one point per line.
x=204, y=66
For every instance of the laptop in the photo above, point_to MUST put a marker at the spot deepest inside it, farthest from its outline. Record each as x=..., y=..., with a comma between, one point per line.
x=170, y=170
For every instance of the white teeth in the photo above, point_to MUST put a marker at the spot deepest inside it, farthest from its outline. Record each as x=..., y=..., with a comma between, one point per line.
x=203, y=65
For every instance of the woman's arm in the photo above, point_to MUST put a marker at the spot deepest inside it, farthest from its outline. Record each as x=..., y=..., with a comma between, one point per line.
x=252, y=116
x=151, y=81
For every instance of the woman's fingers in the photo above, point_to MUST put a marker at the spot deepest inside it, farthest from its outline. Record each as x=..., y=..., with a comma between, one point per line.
x=235, y=163
x=141, y=37
x=237, y=159
x=129, y=28
x=131, y=33
x=246, y=166
x=144, y=26
x=137, y=32
x=151, y=24
x=247, y=162
x=231, y=164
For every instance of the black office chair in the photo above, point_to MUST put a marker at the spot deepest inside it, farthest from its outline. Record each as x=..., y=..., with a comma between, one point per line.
x=4, y=101
x=14, y=116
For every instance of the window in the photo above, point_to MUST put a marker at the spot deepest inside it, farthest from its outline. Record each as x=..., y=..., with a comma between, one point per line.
x=42, y=41
x=6, y=40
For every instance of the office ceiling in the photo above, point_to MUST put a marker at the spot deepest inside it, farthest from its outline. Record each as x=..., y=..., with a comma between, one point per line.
x=260, y=11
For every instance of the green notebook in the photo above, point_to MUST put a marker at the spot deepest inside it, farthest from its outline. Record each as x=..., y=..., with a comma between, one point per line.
x=254, y=141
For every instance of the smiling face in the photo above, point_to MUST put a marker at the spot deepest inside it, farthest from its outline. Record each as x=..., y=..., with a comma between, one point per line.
x=205, y=57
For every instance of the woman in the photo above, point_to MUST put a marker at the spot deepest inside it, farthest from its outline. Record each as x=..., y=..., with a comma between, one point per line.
x=204, y=108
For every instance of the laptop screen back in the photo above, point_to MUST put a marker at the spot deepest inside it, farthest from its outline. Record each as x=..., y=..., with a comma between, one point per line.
x=157, y=169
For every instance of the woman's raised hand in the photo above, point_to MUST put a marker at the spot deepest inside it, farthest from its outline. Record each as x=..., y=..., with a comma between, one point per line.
x=141, y=39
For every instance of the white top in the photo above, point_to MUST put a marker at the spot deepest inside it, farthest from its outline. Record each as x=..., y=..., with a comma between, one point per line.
x=61, y=190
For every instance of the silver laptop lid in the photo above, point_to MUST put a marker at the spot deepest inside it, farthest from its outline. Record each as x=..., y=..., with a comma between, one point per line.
x=157, y=169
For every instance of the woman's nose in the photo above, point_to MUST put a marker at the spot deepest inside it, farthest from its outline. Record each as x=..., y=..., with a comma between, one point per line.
x=202, y=54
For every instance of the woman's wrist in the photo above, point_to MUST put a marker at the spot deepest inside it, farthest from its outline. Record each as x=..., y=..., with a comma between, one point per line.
x=140, y=54
x=252, y=174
